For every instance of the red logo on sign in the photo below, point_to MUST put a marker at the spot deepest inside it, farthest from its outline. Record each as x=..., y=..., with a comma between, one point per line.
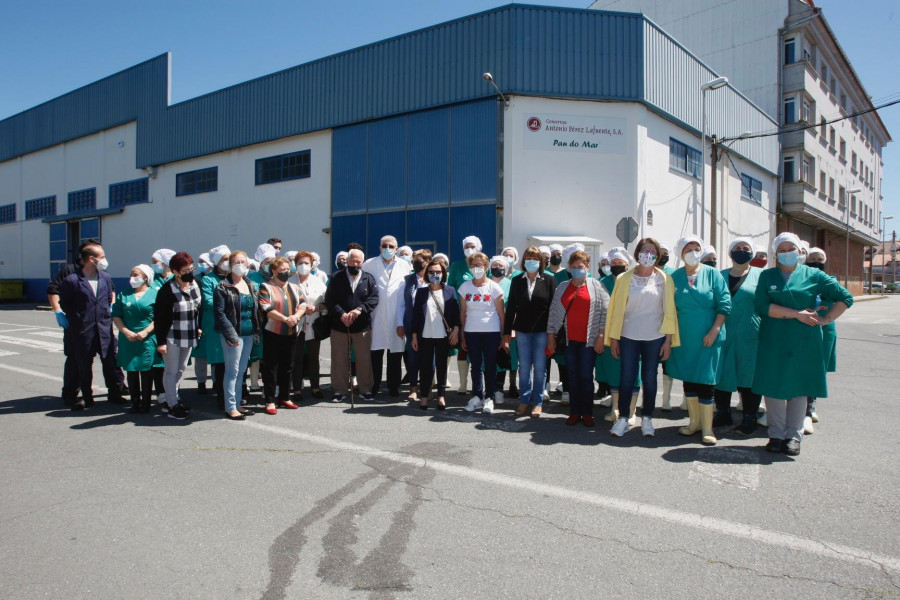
x=534, y=124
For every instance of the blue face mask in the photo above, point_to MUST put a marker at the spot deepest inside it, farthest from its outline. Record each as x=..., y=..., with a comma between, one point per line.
x=532, y=265
x=293, y=267
x=387, y=253
x=788, y=259
x=578, y=273
x=158, y=268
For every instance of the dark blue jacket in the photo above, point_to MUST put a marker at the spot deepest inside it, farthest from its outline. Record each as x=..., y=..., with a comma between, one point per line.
x=451, y=308
x=410, y=283
x=340, y=298
x=90, y=316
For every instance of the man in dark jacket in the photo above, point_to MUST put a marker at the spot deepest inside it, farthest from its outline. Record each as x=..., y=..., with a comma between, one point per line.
x=351, y=297
x=86, y=298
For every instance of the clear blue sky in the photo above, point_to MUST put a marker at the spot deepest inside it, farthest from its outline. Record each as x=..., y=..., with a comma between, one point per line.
x=50, y=47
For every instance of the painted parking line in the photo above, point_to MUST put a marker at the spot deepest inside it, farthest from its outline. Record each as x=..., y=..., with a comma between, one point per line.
x=55, y=334
x=96, y=388
x=36, y=344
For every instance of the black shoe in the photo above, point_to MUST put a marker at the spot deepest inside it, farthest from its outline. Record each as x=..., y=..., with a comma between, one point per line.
x=178, y=412
x=135, y=409
x=792, y=447
x=513, y=392
x=318, y=394
x=746, y=428
x=722, y=419
x=78, y=405
x=297, y=398
x=337, y=398
x=88, y=402
x=394, y=393
x=202, y=389
x=240, y=417
x=775, y=445
x=118, y=399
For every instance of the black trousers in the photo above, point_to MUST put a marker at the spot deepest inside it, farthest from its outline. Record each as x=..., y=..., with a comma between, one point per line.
x=113, y=376
x=394, y=370
x=433, y=357
x=749, y=400
x=277, y=364
x=140, y=386
x=306, y=362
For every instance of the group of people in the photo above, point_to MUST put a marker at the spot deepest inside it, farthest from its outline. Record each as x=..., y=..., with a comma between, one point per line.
x=762, y=332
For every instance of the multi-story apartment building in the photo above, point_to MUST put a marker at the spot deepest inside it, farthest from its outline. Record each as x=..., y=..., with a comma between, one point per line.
x=785, y=57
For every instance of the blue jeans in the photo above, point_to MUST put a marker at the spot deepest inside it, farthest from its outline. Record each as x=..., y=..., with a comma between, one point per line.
x=532, y=366
x=236, y=359
x=647, y=353
x=580, y=358
x=482, y=348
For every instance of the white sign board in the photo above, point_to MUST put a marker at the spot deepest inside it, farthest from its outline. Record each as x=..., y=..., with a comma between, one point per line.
x=575, y=133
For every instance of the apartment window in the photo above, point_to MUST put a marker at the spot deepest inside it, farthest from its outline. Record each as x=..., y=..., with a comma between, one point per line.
x=842, y=196
x=844, y=101
x=806, y=112
x=790, y=110
x=853, y=159
x=197, y=182
x=8, y=213
x=285, y=167
x=808, y=170
x=823, y=180
x=790, y=51
x=843, y=150
x=831, y=189
x=83, y=200
x=129, y=192
x=831, y=137
x=790, y=175
x=684, y=158
x=751, y=188
x=833, y=85
x=40, y=207
x=824, y=73
x=852, y=204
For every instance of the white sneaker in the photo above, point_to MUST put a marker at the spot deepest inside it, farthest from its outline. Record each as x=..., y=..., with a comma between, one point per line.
x=488, y=407
x=761, y=420
x=545, y=397
x=498, y=397
x=606, y=400
x=474, y=404
x=808, y=426
x=815, y=417
x=620, y=427
x=647, y=427
x=559, y=387
x=564, y=401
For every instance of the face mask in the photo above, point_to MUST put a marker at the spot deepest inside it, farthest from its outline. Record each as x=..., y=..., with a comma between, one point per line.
x=816, y=265
x=578, y=273
x=418, y=265
x=136, y=282
x=801, y=259
x=340, y=265
x=647, y=259
x=555, y=259
x=102, y=264
x=353, y=270
x=710, y=263
x=498, y=272
x=618, y=269
x=532, y=265
x=315, y=265
x=283, y=276
x=435, y=278
x=477, y=273
x=305, y=269
x=223, y=267
x=265, y=270
x=663, y=260
x=406, y=257
x=202, y=269
x=240, y=270
x=510, y=260
x=187, y=277
x=759, y=262
x=293, y=268
x=741, y=257
x=158, y=268
x=692, y=258
x=387, y=253
x=789, y=259
x=606, y=270
x=469, y=251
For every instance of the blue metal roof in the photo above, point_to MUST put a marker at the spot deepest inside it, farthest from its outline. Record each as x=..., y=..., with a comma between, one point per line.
x=531, y=50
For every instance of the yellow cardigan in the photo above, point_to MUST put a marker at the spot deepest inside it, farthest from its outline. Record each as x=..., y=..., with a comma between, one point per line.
x=615, y=314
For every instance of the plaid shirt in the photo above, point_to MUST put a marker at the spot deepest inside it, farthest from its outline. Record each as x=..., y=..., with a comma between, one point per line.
x=185, y=316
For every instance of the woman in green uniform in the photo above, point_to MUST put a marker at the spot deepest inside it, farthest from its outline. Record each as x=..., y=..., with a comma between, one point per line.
x=132, y=314
x=703, y=303
x=739, y=352
x=816, y=260
x=790, y=361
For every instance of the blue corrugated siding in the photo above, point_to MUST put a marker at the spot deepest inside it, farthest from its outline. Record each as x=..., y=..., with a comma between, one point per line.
x=474, y=153
x=387, y=163
x=345, y=230
x=381, y=224
x=429, y=158
x=480, y=221
x=348, y=169
x=428, y=228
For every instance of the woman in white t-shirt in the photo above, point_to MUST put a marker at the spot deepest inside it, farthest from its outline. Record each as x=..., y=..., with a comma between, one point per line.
x=481, y=317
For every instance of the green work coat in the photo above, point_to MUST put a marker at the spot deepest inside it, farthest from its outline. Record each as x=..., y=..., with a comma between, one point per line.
x=211, y=338
x=791, y=360
x=739, y=352
x=697, y=307
x=137, y=315
x=459, y=273
x=829, y=337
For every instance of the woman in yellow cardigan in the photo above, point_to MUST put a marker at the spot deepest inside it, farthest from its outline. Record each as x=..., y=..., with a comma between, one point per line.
x=641, y=325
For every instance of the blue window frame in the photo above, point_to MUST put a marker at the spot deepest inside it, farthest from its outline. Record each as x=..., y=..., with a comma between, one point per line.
x=40, y=207
x=284, y=167
x=129, y=192
x=83, y=200
x=197, y=182
x=8, y=213
x=684, y=158
x=751, y=189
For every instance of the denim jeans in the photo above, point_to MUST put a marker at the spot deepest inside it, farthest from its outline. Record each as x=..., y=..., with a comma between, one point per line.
x=580, y=358
x=532, y=366
x=236, y=358
x=647, y=353
x=176, y=360
x=482, y=348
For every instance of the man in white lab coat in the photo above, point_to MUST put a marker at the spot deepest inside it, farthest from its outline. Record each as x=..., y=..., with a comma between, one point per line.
x=389, y=274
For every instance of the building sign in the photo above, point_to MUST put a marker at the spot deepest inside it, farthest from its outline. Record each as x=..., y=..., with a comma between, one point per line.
x=575, y=133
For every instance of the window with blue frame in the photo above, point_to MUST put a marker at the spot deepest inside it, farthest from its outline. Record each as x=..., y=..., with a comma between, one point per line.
x=751, y=189
x=40, y=207
x=129, y=192
x=83, y=200
x=197, y=182
x=284, y=167
x=684, y=158
x=8, y=213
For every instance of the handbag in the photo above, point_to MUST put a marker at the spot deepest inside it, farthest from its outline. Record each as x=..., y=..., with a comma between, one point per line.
x=447, y=327
x=322, y=327
x=561, y=339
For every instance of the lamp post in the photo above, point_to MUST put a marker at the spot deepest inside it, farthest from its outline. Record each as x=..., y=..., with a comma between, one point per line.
x=884, y=221
x=848, y=196
x=709, y=85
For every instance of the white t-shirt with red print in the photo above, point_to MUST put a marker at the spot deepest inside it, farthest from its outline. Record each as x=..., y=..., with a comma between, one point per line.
x=481, y=312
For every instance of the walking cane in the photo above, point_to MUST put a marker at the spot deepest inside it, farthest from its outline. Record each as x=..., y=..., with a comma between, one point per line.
x=350, y=370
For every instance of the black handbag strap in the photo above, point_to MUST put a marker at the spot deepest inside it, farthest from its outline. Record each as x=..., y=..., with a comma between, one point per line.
x=438, y=306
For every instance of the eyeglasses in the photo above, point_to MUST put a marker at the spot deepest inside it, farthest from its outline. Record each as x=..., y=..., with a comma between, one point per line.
x=436, y=273
x=383, y=246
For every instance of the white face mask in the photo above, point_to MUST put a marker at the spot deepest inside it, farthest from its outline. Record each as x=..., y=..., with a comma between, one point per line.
x=647, y=259
x=102, y=264
x=692, y=258
x=136, y=282
x=469, y=251
x=240, y=270
x=477, y=273
x=223, y=266
x=304, y=269
x=607, y=270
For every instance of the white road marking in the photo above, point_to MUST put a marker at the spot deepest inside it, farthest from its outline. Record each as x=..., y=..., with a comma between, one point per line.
x=7, y=353
x=677, y=517
x=51, y=334
x=18, y=329
x=44, y=375
x=727, y=466
x=37, y=344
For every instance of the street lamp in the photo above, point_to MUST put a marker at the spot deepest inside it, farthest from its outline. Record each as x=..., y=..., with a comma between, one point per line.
x=847, y=197
x=709, y=85
x=884, y=221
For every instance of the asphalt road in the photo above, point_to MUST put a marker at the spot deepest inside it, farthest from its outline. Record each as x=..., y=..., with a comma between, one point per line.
x=387, y=501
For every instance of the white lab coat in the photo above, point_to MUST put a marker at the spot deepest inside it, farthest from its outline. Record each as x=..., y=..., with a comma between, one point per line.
x=390, y=295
